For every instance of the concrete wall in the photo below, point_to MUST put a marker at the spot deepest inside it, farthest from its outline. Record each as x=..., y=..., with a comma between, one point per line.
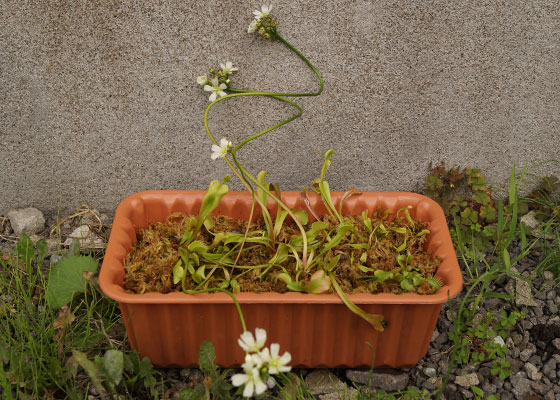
x=99, y=99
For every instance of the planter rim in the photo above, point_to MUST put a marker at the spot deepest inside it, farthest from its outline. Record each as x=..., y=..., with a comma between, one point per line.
x=110, y=286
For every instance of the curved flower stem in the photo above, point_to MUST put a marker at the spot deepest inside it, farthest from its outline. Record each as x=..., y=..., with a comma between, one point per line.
x=210, y=290
x=292, y=48
x=243, y=174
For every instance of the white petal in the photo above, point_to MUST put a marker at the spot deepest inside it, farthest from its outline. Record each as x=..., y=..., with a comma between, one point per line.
x=249, y=388
x=214, y=82
x=208, y=88
x=252, y=26
x=261, y=337
x=201, y=80
x=260, y=388
x=264, y=355
x=239, y=379
x=274, y=350
x=222, y=86
x=222, y=66
x=212, y=97
x=222, y=94
x=285, y=368
x=285, y=359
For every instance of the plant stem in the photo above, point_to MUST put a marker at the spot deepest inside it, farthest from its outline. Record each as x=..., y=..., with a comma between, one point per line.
x=243, y=174
x=292, y=48
x=210, y=290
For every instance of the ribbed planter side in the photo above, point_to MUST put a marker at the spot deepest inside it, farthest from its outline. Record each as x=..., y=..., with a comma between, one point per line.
x=318, y=330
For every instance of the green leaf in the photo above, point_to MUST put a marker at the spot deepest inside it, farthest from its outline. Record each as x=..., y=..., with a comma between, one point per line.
x=216, y=191
x=382, y=276
x=284, y=277
x=190, y=394
x=178, y=272
x=113, y=363
x=206, y=357
x=25, y=250
x=42, y=250
x=66, y=278
x=74, y=248
x=91, y=369
x=221, y=389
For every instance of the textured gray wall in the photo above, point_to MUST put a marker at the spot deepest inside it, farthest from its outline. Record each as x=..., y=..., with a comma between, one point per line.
x=99, y=99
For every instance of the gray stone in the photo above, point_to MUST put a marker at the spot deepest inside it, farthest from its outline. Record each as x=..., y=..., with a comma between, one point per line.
x=26, y=221
x=431, y=372
x=521, y=386
x=87, y=238
x=348, y=393
x=510, y=287
x=506, y=396
x=467, y=381
x=549, y=395
x=533, y=372
x=525, y=355
x=523, y=293
x=467, y=394
x=322, y=381
x=390, y=380
x=548, y=275
x=556, y=343
x=489, y=388
x=549, y=368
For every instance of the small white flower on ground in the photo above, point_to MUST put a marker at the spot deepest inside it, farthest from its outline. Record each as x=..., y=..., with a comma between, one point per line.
x=221, y=150
x=252, y=26
x=265, y=10
x=248, y=343
x=217, y=89
x=228, y=68
x=202, y=80
x=276, y=363
x=498, y=340
x=250, y=378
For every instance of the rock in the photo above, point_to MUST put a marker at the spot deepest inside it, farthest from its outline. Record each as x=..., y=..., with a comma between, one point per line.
x=548, y=275
x=549, y=395
x=26, y=221
x=506, y=396
x=431, y=372
x=525, y=355
x=549, y=369
x=322, y=381
x=499, y=340
x=349, y=393
x=523, y=293
x=510, y=287
x=488, y=388
x=434, y=335
x=87, y=238
x=467, y=381
x=390, y=380
x=556, y=343
x=521, y=386
x=532, y=222
x=533, y=372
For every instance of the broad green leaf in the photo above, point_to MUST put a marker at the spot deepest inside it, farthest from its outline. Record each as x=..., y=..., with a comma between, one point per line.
x=91, y=369
x=284, y=277
x=178, y=272
x=216, y=191
x=206, y=357
x=301, y=216
x=197, y=247
x=319, y=283
x=382, y=276
x=42, y=250
x=279, y=221
x=66, y=278
x=113, y=363
x=190, y=394
x=331, y=263
x=25, y=250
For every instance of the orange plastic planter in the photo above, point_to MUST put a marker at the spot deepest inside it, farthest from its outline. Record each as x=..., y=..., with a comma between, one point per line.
x=318, y=330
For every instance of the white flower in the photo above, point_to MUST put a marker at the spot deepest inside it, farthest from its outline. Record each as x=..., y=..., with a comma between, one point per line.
x=251, y=377
x=249, y=344
x=217, y=89
x=252, y=26
x=276, y=363
x=228, y=68
x=220, y=152
x=202, y=80
x=265, y=10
